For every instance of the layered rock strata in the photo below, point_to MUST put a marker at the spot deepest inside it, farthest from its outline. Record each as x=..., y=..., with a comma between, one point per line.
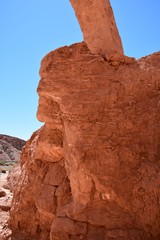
x=14, y=141
x=93, y=170
x=98, y=26
x=10, y=149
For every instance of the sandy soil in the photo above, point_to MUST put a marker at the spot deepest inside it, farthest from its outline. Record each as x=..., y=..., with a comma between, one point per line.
x=3, y=179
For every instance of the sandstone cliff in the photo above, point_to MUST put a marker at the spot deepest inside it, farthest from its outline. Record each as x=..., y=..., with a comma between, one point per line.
x=92, y=171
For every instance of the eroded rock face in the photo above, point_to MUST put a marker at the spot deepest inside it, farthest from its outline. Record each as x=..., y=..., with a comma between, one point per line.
x=92, y=171
x=98, y=26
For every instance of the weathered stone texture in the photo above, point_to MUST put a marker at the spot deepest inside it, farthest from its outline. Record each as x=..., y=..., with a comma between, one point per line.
x=93, y=171
x=98, y=26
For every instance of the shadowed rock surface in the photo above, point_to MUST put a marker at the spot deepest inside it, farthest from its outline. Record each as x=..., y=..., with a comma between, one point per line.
x=92, y=171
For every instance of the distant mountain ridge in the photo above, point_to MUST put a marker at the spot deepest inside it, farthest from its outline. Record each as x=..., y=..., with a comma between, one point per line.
x=14, y=141
x=10, y=148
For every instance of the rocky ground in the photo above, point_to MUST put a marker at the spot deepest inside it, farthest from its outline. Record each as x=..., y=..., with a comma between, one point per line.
x=10, y=150
x=5, y=204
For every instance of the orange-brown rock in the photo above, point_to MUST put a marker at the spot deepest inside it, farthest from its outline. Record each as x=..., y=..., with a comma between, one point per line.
x=92, y=171
x=98, y=26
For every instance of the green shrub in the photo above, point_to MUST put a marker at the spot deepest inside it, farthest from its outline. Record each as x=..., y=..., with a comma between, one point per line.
x=2, y=162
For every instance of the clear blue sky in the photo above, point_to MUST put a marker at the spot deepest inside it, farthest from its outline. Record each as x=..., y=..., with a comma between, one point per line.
x=30, y=29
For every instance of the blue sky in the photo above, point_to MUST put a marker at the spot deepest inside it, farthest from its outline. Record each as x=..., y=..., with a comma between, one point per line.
x=30, y=29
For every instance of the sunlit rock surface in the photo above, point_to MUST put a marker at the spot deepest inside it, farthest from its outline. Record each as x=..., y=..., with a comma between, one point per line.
x=92, y=171
x=98, y=26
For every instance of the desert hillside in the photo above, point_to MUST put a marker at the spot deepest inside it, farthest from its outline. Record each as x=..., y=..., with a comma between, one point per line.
x=10, y=149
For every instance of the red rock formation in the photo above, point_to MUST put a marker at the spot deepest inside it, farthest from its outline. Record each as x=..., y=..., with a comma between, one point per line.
x=98, y=26
x=92, y=171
